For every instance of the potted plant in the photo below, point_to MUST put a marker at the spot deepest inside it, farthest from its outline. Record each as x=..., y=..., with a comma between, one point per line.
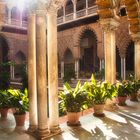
x=72, y=101
x=134, y=90
x=98, y=93
x=5, y=103
x=20, y=103
x=124, y=88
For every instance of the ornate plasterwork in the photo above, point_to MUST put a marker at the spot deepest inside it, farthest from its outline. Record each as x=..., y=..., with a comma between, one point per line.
x=53, y=5
x=122, y=37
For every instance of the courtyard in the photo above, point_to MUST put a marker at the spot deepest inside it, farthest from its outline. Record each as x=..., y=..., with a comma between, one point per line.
x=122, y=124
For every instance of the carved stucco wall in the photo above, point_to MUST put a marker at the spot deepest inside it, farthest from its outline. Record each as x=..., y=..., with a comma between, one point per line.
x=122, y=37
x=16, y=43
x=70, y=38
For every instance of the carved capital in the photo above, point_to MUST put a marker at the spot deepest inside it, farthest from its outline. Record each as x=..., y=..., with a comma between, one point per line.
x=136, y=37
x=109, y=24
x=54, y=5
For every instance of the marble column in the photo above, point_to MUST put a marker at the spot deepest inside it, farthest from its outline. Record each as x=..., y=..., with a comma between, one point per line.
x=9, y=16
x=77, y=68
x=109, y=26
x=137, y=59
x=21, y=18
x=123, y=68
x=74, y=8
x=33, y=122
x=101, y=64
x=52, y=69
x=43, y=130
x=86, y=7
x=62, y=69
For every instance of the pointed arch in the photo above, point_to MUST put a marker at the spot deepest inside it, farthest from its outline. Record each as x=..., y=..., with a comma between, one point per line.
x=20, y=57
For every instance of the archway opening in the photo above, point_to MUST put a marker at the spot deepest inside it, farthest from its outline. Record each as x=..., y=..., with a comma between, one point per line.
x=118, y=65
x=3, y=50
x=20, y=60
x=4, y=65
x=68, y=65
x=130, y=59
x=89, y=61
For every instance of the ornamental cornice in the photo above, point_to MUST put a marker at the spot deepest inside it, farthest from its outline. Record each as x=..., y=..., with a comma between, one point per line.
x=109, y=24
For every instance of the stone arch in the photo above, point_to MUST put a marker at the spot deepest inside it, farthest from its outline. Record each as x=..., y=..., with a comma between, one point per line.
x=68, y=61
x=4, y=48
x=108, y=9
x=82, y=32
x=20, y=57
x=68, y=56
x=132, y=8
x=15, y=13
x=88, y=48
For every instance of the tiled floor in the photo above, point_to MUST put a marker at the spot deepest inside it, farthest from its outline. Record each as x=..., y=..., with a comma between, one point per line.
x=123, y=124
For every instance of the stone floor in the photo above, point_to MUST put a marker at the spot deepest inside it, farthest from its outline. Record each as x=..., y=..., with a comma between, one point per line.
x=123, y=124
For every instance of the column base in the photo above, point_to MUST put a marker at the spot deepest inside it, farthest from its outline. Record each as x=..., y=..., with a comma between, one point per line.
x=43, y=133
x=55, y=129
x=32, y=128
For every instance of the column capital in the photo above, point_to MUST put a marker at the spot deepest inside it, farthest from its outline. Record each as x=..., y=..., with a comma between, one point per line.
x=53, y=5
x=74, y=1
x=136, y=37
x=109, y=24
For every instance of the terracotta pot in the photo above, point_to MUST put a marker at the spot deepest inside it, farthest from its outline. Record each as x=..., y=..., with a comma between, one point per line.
x=4, y=112
x=73, y=118
x=133, y=97
x=98, y=110
x=121, y=100
x=20, y=119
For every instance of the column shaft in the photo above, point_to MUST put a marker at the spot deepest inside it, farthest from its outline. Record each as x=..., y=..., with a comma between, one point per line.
x=137, y=59
x=32, y=73
x=41, y=73
x=62, y=69
x=52, y=71
x=110, y=59
x=77, y=68
x=9, y=16
x=123, y=68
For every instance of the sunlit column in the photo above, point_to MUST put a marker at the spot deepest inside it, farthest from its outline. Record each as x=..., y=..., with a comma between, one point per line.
x=64, y=11
x=123, y=68
x=74, y=8
x=43, y=131
x=137, y=59
x=52, y=69
x=110, y=49
x=86, y=7
x=21, y=17
x=101, y=64
x=9, y=16
x=33, y=122
x=77, y=68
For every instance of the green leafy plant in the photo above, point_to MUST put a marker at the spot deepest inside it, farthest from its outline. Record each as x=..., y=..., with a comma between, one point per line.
x=73, y=99
x=99, y=92
x=5, y=99
x=69, y=74
x=124, y=88
x=19, y=101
